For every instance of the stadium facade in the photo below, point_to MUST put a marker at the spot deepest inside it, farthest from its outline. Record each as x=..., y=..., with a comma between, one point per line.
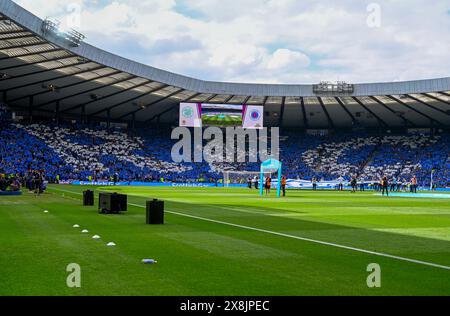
x=42, y=74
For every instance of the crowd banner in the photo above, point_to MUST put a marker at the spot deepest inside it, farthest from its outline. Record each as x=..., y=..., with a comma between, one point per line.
x=307, y=184
x=290, y=184
x=152, y=184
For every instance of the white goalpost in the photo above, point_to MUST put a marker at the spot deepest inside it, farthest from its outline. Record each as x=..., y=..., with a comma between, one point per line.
x=231, y=177
x=238, y=177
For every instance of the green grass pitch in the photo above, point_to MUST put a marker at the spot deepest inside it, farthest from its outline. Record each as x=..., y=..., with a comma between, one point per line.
x=225, y=242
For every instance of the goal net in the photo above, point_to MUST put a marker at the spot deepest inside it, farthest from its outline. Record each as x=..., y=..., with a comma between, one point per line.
x=242, y=177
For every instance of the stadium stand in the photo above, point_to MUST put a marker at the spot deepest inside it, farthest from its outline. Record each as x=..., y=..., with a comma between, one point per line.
x=62, y=80
x=75, y=152
x=85, y=149
x=372, y=157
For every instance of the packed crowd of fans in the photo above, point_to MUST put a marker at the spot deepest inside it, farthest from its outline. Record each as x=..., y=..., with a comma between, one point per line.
x=371, y=157
x=86, y=149
x=80, y=152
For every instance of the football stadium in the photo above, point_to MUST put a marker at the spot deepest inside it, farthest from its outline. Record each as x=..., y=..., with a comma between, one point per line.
x=330, y=189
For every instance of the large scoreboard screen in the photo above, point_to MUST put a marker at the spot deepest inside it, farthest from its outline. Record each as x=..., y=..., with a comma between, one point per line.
x=221, y=115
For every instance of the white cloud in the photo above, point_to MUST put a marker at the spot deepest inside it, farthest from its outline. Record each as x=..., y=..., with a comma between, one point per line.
x=285, y=59
x=282, y=41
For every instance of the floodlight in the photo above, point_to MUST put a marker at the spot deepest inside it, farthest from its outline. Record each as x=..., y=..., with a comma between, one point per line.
x=56, y=29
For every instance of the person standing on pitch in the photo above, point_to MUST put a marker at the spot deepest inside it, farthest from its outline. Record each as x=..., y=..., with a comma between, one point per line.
x=268, y=185
x=414, y=185
x=362, y=185
x=385, y=186
x=256, y=181
x=283, y=185
x=341, y=183
x=394, y=185
x=354, y=183
x=404, y=185
x=314, y=183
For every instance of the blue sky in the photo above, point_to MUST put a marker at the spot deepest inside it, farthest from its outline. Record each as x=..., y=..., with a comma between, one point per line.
x=182, y=7
x=271, y=41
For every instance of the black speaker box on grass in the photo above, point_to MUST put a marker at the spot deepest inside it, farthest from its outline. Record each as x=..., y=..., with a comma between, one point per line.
x=112, y=203
x=88, y=198
x=155, y=212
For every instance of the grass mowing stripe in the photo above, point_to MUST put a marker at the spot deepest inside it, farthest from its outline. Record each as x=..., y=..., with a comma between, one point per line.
x=379, y=254
x=307, y=239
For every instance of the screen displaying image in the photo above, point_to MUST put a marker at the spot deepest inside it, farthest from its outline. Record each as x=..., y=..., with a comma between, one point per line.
x=221, y=115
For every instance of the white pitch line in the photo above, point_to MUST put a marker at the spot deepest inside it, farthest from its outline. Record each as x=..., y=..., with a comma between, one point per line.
x=379, y=254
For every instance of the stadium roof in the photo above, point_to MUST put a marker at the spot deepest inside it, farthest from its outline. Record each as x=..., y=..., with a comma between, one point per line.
x=40, y=72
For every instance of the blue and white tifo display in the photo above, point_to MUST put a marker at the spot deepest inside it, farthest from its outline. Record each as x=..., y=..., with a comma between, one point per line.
x=221, y=115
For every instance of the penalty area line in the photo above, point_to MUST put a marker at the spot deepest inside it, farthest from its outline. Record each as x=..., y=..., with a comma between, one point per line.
x=325, y=243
